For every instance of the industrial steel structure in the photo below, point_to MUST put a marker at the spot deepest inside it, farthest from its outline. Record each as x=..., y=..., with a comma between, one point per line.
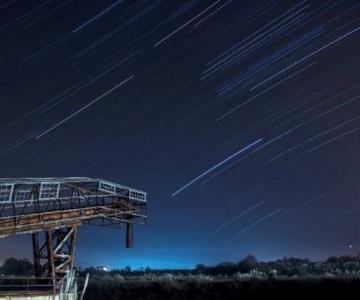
x=51, y=209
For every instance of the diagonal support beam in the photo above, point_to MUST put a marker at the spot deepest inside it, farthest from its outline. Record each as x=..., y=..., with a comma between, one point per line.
x=54, y=253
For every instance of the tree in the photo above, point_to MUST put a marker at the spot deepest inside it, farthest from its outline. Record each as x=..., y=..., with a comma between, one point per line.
x=200, y=268
x=247, y=264
x=13, y=266
x=226, y=268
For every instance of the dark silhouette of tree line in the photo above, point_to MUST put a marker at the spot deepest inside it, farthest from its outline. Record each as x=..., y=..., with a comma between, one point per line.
x=287, y=266
x=13, y=266
x=337, y=277
x=336, y=265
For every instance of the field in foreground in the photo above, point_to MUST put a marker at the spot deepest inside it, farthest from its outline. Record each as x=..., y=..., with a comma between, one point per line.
x=294, y=288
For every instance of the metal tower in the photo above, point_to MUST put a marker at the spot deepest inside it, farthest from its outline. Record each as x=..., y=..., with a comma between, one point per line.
x=51, y=209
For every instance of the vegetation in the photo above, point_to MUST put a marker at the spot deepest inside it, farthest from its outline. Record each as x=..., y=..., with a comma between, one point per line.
x=285, y=278
x=248, y=267
x=13, y=266
x=299, y=288
x=250, y=278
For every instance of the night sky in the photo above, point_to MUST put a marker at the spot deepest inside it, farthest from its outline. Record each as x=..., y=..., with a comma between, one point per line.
x=241, y=119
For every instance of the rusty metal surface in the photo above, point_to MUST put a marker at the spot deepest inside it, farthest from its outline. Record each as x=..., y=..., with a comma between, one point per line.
x=30, y=223
x=51, y=209
x=74, y=202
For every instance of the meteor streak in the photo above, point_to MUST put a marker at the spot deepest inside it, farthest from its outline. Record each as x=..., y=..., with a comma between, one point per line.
x=254, y=224
x=337, y=217
x=234, y=219
x=261, y=93
x=307, y=203
x=247, y=155
x=85, y=107
x=185, y=24
x=97, y=16
x=330, y=141
x=215, y=167
x=313, y=138
x=304, y=58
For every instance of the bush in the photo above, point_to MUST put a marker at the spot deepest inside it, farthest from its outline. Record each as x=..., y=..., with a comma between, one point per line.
x=13, y=266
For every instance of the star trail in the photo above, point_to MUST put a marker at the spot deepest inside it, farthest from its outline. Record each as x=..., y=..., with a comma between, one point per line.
x=241, y=119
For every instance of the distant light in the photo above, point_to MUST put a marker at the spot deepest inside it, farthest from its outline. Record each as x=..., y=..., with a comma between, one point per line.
x=103, y=268
x=350, y=246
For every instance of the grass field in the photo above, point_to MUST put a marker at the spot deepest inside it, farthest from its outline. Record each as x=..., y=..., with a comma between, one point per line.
x=294, y=288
